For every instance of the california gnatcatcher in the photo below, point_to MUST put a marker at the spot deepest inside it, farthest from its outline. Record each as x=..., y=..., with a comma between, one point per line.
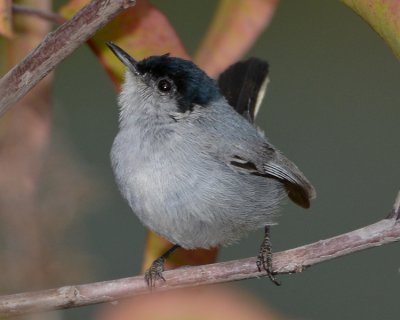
x=189, y=160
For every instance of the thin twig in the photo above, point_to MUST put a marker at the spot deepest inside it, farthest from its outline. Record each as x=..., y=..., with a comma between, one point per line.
x=45, y=15
x=290, y=261
x=395, y=213
x=56, y=47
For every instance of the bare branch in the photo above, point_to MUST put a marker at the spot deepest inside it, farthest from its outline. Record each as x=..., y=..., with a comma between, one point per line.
x=395, y=214
x=45, y=15
x=56, y=47
x=290, y=261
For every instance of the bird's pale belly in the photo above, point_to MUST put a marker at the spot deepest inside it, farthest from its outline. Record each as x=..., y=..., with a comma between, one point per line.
x=198, y=209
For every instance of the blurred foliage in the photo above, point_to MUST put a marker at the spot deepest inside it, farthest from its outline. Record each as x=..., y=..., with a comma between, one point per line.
x=234, y=29
x=6, y=29
x=38, y=206
x=141, y=30
x=383, y=16
x=42, y=185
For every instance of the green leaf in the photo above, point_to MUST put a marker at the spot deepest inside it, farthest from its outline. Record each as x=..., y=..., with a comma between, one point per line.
x=383, y=16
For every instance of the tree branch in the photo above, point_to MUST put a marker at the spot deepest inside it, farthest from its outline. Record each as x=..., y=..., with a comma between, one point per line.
x=56, y=47
x=290, y=261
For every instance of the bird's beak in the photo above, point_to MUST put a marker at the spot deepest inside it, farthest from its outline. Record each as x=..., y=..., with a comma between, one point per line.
x=125, y=58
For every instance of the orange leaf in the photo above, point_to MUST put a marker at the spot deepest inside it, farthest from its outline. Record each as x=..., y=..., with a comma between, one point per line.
x=156, y=246
x=141, y=31
x=234, y=29
x=6, y=28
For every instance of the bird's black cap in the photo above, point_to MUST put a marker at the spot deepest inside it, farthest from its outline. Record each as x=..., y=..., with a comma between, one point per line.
x=193, y=84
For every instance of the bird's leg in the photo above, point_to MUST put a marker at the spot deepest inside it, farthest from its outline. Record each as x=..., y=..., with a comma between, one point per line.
x=154, y=273
x=264, y=258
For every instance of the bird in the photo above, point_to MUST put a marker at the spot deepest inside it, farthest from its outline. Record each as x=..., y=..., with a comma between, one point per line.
x=191, y=163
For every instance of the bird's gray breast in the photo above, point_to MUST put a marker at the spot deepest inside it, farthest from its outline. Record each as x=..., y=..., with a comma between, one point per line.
x=185, y=194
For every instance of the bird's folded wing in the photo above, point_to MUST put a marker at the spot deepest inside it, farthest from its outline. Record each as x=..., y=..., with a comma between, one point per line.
x=275, y=165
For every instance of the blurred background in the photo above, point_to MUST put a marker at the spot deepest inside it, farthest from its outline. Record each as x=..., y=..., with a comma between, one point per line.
x=332, y=107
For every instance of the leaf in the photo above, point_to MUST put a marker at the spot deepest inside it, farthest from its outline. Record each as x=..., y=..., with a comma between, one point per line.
x=141, y=31
x=6, y=28
x=235, y=27
x=156, y=246
x=383, y=16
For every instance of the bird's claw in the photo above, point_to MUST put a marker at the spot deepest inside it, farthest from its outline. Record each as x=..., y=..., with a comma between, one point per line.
x=155, y=272
x=264, y=263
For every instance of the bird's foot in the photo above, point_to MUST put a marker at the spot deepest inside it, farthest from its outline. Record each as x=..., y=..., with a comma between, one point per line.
x=264, y=258
x=263, y=263
x=154, y=273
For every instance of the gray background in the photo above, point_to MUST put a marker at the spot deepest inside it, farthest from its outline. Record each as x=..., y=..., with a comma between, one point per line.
x=332, y=107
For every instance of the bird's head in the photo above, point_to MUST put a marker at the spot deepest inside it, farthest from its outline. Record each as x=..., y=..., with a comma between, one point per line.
x=166, y=83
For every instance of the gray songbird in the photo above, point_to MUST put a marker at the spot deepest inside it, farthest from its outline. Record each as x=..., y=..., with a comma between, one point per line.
x=189, y=160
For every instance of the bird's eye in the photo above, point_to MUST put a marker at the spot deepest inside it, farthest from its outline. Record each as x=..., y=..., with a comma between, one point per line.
x=164, y=85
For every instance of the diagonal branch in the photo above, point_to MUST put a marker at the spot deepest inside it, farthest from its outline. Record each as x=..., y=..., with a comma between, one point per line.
x=56, y=47
x=290, y=261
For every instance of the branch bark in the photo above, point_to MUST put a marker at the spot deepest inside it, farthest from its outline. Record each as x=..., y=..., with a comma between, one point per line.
x=56, y=47
x=290, y=261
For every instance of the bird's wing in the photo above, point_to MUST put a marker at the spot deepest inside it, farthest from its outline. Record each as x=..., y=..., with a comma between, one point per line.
x=273, y=164
x=244, y=85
